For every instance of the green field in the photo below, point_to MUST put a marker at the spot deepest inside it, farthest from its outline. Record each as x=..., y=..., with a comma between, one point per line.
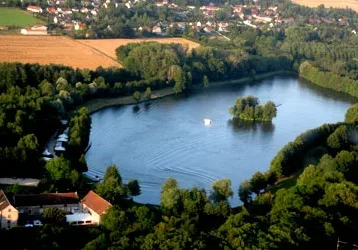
x=16, y=17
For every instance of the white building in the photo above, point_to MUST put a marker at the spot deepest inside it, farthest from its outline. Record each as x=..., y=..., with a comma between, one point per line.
x=79, y=219
x=157, y=30
x=35, y=9
x=8, y=213
x=29, y=32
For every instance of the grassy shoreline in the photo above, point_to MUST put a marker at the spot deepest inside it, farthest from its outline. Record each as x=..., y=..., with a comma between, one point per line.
x=101, y=103
x=249, y=79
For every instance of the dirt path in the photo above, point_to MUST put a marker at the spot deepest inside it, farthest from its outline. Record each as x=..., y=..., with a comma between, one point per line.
x=99, y=51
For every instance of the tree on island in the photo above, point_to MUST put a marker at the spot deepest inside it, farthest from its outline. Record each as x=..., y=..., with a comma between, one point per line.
x=248, y=108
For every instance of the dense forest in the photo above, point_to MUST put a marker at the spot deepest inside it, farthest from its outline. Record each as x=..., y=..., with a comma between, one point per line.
x=182, y=68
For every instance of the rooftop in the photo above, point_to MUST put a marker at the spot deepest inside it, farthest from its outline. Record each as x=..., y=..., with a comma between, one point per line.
x=78, y=217
x=96, y=203
x=4, y=202
x=45, y=199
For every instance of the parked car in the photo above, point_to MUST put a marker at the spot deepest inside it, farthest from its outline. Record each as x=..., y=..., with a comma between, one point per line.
x=37, y=223
x=29, y=225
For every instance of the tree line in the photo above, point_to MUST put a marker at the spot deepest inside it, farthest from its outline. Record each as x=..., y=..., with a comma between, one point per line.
x=181, y=68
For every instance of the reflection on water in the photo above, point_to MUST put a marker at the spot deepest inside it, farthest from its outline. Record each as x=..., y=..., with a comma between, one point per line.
x=242, y=125
x=135, y=109
x=146, y=106
x=167, y=137
x=324, y=92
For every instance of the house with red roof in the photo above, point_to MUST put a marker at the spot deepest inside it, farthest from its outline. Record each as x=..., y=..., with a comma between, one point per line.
x=34, y=8
x=36, y=203
x=8, y=213
x=36, y=30
x=95, y=205
x=51, y=10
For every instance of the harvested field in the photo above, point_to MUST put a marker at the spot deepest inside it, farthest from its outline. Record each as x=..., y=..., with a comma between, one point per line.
x=109, y=46
x=52, y=50
x=352, y=4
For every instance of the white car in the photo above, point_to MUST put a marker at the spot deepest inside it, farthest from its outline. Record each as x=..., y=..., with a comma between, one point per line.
x=37, y=223
x=29, y=225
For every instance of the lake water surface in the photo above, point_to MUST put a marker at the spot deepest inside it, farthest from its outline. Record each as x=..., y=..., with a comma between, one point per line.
x=167, y=138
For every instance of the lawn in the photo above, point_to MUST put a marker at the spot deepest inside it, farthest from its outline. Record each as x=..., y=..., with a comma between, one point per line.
x=16, y=17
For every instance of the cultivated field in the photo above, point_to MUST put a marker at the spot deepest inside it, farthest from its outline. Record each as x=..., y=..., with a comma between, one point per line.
x=108, y=46
x=352, y=4
x=88, y=54
x=52, y=50
x=16, y=17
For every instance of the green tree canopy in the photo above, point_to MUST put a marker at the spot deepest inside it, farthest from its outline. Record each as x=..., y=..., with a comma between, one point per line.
x=221, y=190
x=352, y=114
x=111, y=188
x=133, y=188
x=53, y=215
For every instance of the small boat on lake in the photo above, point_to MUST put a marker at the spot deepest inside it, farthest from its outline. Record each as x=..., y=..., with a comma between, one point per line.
x=207, y=122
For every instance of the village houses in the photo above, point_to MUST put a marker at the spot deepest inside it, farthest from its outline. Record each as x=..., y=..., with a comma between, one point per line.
x=88, y=211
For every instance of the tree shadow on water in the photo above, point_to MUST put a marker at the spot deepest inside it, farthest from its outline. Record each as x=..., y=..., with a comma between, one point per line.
x=250, y=126
x=147, y=105
x=135, y=109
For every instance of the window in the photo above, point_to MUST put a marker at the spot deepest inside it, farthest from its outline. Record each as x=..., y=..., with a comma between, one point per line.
x=9, y=210
x=30, y=212
x=88, y=221
x=80, y=222
x=9, y=216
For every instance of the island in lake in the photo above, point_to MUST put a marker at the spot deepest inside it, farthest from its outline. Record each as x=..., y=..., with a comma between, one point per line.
x=248, y=108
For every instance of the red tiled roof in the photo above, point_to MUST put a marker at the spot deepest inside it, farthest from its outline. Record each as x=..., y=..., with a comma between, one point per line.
x=52, y=10
x=34, y=7
x=46, y=199
x=4, y=202
x=96, y=203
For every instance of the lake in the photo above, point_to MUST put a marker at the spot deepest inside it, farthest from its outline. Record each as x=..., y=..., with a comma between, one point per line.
x=167, y=137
